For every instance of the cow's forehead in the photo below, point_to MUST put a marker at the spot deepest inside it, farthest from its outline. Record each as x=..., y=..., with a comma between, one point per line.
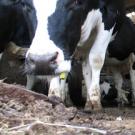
x=45, y=8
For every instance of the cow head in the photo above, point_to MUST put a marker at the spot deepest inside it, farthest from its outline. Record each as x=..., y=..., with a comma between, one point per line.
x=62, y=25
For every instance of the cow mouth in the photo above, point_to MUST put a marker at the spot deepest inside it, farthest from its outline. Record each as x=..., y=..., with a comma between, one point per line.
x=40, y=69
x=51, y=69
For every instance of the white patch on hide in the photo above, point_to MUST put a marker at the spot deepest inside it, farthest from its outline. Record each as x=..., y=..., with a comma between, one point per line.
x=90, y=23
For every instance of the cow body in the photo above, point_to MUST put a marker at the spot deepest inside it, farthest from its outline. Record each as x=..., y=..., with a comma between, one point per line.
x=17, y=23
x=68, y=25
x=119, y=62
x=120, y=57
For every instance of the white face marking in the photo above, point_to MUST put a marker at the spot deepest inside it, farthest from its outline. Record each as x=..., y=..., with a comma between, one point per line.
x=42, y=44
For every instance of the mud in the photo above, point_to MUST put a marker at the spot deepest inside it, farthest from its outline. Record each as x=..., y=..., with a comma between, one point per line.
x=24, y=112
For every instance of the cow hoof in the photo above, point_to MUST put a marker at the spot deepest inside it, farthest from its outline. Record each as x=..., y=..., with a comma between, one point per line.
x=92, y=106
x=122, y=101
x=55, y=100
x=94, y=103
x=54, y=92
x=88, y=106
x=96, y=106
x=122, y=97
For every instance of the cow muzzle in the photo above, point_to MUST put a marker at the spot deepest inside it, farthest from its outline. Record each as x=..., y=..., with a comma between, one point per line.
x=41, y=64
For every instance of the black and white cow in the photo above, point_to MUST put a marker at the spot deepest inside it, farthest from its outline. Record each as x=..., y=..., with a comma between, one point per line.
x=121, y=56
x=119, y=62
x=17, y=23
x=65, y=25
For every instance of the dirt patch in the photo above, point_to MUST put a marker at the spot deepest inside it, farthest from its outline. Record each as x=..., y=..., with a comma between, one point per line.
x=23, y=112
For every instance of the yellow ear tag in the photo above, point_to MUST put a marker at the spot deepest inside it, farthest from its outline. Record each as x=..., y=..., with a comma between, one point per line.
x=63, y=76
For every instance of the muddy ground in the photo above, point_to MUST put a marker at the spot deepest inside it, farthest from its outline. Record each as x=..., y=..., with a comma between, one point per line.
x=26, y=113
x=23, y=112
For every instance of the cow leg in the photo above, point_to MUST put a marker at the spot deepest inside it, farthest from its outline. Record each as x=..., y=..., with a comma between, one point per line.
x=132, y=77
x=87, y=78
x=1, y=55
x=30, y=81
x=96, y=64
x=57, y=87
x=96, y=61
x=118, y=80
x=54, y=88
x=63, y=90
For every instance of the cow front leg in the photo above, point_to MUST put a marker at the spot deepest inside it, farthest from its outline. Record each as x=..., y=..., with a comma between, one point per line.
x=87, y=78
x=57, y=87
x=54, y=89
x=96, y=61
x=118, y=80
x=93, y=96
x=132, y=76
x=30, y=81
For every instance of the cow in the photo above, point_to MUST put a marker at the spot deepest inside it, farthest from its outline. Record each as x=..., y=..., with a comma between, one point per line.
x=63, y=27
x=119, y=61
x=121, y=56
x=17, y=24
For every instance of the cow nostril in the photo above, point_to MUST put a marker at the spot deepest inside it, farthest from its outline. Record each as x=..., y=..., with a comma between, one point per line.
x=53, y=59
x=57, y=53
